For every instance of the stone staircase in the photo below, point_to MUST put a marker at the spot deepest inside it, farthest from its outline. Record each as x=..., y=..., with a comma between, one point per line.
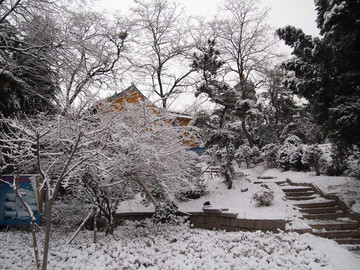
x=324, y=216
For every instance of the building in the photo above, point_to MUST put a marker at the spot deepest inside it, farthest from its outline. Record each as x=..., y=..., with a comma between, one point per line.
x=132, y=95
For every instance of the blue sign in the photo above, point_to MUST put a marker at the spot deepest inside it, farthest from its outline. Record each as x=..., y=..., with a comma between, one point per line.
x=12, y=211
x=198, y=150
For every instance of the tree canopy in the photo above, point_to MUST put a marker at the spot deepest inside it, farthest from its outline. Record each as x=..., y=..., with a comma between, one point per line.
x=327, y=69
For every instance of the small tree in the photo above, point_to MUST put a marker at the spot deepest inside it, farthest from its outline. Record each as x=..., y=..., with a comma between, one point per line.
x=56, y=149
x=226, y=166
x=142, y=150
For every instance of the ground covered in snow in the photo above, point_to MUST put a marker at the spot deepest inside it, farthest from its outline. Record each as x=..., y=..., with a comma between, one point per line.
x=240, y=199
x=148, y=246
x=347, y=188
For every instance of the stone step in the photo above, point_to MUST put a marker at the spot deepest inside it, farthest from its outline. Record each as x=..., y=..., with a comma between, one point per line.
x=349, y=241
x=321, y=210
x=317, y=204
x=338, y=234
x=281, y=183
x=300, y=189
x=300, y=194
x=301, y=198
x=324, y=216
x=348, y=225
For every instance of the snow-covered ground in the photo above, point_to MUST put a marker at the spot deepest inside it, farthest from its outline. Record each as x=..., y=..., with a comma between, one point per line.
x=145, y=246
x=347, y=188
x=242, y=203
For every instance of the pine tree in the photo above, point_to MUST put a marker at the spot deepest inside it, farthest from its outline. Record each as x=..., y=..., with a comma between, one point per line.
x=27, y=82
x=234, y=103
x=327, y=69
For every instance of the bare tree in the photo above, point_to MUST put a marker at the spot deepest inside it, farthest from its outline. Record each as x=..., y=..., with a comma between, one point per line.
x=247, y=47
x=16, y=151
x=14, y=10
x=246, y=41
x=88, y=48
x=53, y=52
x=115, y=156
x=163, y=45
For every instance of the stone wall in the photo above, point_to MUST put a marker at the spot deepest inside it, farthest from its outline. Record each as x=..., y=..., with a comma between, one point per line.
x=218, y=221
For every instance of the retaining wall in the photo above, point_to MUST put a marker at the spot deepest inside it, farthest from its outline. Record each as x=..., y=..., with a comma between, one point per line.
x=218, y=221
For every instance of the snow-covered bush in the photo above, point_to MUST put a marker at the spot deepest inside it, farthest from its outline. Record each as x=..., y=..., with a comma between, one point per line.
x=353, y=163
x=338, y=159
x=264, y=197
x=335, y=159
x=312, y=157
x=269, y=155
x=290, y=153
x=193, y=193
x=248, y=155
x=166, y=212
x=141, y=151
x=70, y=211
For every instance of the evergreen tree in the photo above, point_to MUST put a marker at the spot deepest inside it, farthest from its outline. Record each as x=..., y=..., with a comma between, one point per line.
x=327, y=69
x=27, y=83
x=278, y=108
x=235, y=104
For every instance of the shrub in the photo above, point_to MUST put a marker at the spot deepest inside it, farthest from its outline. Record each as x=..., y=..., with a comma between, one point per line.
x=290, y=153
x=264, y=197
x=166, y=212
x=312, y=157
x=251, y=156
x=192, y=193
x=269, y=155
x=157, y=192
x=353, y=163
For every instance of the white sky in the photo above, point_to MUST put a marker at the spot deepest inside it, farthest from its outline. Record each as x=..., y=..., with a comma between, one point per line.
x=298, y=13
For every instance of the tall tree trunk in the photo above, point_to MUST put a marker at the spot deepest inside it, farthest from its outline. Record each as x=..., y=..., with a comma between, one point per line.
x=247, y=134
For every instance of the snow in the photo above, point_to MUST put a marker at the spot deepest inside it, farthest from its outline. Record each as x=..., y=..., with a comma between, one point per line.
x=148, y=246
x=143, y=245
x=235, y=200
x=347, y=188
x=334, y=10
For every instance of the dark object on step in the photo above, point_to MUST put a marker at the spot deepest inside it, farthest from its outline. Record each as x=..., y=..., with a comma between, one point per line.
x=207, y=203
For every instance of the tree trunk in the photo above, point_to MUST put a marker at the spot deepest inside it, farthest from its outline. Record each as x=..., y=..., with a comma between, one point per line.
x=32, y=223
x=247, y=134
x=228, y=179
x=95, y=226
x=48, y=207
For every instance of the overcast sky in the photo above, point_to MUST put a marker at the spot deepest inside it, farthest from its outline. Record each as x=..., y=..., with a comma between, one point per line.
x=299, y=13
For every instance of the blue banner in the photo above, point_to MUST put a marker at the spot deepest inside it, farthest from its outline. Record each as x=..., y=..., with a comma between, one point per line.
x=12, y=211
